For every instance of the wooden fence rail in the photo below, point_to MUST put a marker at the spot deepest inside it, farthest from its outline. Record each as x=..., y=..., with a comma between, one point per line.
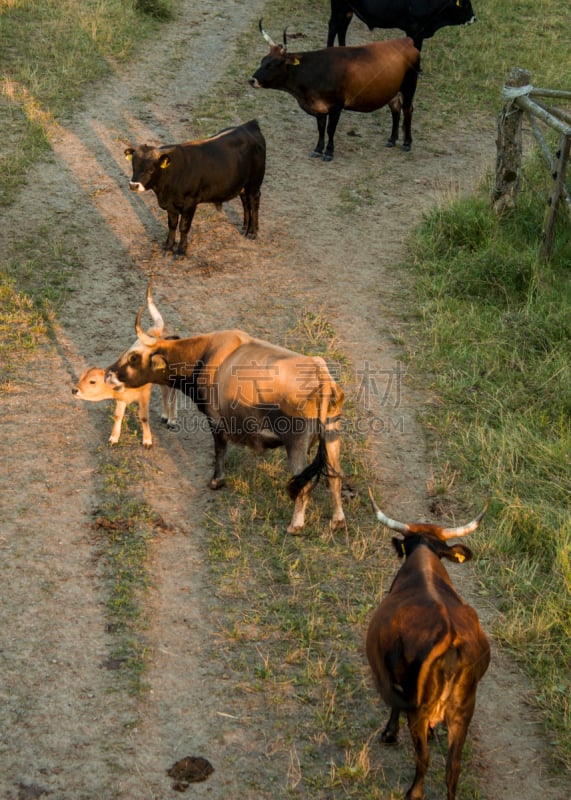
x=523, y=98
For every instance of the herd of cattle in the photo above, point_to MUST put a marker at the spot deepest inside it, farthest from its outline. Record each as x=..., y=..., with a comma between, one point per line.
x=425, y=646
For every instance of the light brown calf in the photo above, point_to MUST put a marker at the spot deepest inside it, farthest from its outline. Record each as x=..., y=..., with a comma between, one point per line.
x=92, y=387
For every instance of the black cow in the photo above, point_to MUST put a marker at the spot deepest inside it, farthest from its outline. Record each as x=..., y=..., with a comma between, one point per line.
x=213, y=170
x=419, y=19
x=324, y=82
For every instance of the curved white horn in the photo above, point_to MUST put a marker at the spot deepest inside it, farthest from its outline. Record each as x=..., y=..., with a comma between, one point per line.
x=266, y=36
x=143, y=337
x=462, y=530
x=158, y=321
x=401, y=527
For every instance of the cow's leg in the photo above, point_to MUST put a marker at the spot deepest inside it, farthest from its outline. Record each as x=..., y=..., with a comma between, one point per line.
x=408, y=89
x=118, y=415
x=331, y=128
x=144, y=399
x=168, y=415
x=458, y=717
x=173, y=223
x=395, y=106
x=334, y=475
x=218, y=479
x=321, y=123
x=418, y=727
x=254, y=206
x=246, y=206
x=339, y=21
x=298, y=459
x=391, y=731
x=185, y=223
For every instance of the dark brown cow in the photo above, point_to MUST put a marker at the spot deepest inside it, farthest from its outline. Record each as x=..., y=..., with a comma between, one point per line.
x=425, y=645
x=364, y=78
x=253, y=393
x=229, y=164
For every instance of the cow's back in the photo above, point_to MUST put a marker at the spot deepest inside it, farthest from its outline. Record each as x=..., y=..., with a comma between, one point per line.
x=375, y=72
x=215, y=169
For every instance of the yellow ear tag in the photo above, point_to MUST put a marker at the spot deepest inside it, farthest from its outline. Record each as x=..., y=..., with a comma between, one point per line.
x=458, y=3
x=164, y=163
x=129, y=156
x=460, y=557
x=296, y=62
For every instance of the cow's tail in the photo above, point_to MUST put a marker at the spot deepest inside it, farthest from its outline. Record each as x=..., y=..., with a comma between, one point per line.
x=331, y=401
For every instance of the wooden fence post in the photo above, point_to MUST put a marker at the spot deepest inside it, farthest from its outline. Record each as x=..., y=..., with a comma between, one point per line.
x=556, y=194
x=509, y=144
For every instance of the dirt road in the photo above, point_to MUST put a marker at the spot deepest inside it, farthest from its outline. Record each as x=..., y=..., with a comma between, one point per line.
x=330, y=238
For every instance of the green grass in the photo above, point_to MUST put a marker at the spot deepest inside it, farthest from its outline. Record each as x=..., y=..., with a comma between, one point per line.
x=51, y=52
x=494, y=332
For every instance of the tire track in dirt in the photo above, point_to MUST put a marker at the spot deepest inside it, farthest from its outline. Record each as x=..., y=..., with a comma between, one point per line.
x=320, y=246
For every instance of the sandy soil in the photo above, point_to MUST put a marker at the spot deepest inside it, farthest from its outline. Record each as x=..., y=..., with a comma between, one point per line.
x=64, y=734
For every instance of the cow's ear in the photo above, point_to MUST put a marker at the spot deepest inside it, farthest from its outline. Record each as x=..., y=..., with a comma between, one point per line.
x=398, y=544
x=164, y=162
x=458, y=553
x=129, y=153
x=159, y=364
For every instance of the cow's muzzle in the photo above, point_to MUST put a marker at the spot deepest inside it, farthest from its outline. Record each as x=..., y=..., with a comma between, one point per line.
x=254, y=82
x=136, y=186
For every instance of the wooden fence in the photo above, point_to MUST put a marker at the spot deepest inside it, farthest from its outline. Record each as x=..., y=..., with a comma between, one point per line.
x=521, y=98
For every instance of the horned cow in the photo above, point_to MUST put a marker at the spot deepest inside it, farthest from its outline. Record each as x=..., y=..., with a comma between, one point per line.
x=229, y=164
x=93, y=387
x=363, y=78
x=253, y=393
x=426, y=647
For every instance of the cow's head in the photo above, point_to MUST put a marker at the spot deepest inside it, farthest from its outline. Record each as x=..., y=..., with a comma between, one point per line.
x=274, y=68
x=432, y=15
x=91, y=386
x=140, y=359
x=434, y=536
x=147, y=162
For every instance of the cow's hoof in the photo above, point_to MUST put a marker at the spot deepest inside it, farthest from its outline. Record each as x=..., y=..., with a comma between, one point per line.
x=295, y=531
x=389, y=143
x=173, y=426
x=217, y=483
x=388, y=737
x=406, y=147
x=328, y=157
x=316, y=154
x=335, y=524
x=147, y=445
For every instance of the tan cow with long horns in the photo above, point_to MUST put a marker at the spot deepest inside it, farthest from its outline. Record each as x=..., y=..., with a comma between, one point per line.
x=253, y=393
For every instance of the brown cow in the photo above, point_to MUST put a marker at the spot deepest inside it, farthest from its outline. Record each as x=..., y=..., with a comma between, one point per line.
x=363, y=78
x=425, y=645
x=253, y=393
